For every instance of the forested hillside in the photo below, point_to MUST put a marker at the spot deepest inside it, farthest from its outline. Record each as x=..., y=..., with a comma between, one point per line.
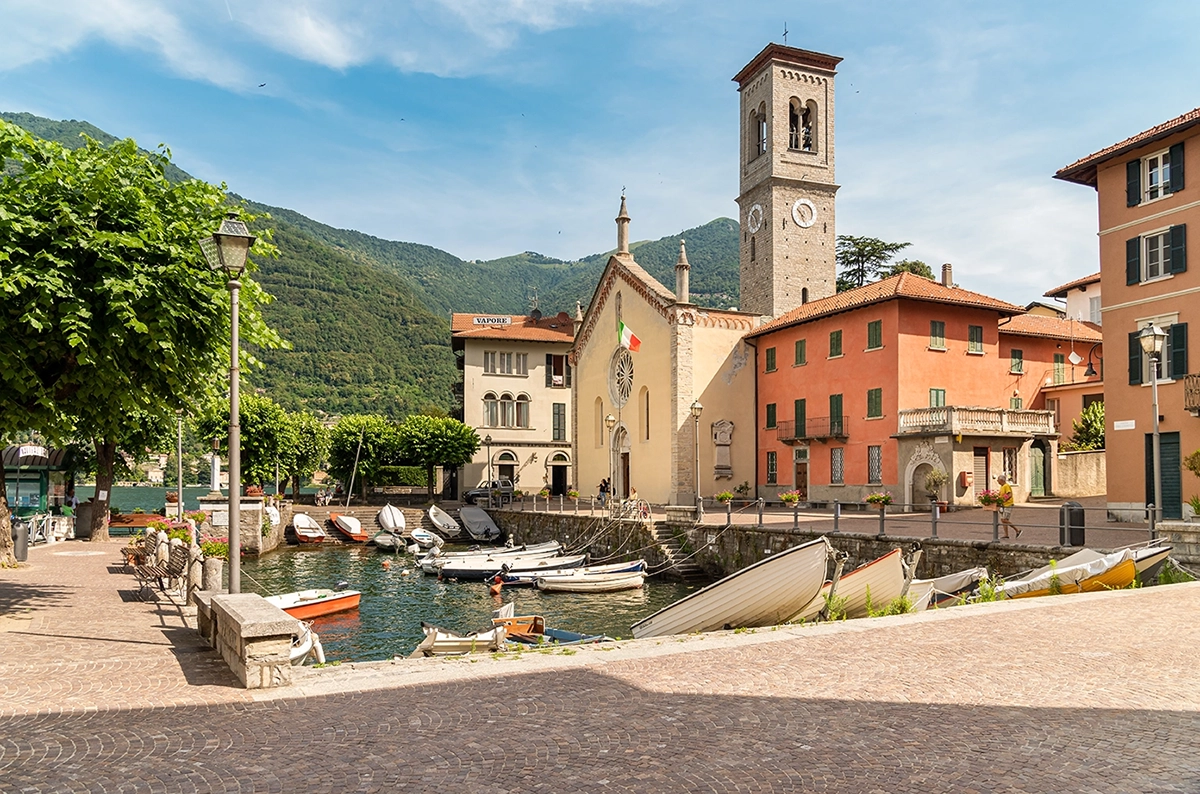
x=368, y=319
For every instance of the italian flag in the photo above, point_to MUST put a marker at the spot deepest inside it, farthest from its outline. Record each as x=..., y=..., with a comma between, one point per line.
x=628, y=340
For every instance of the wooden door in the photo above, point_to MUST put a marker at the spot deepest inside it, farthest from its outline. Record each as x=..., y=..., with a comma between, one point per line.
x=802, y=479
x=1037, y=471
x=981, y=481
x=558, y=480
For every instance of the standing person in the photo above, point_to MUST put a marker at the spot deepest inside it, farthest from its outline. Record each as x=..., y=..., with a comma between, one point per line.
x=1006, y=506
x=71, y=505
x=603, y=489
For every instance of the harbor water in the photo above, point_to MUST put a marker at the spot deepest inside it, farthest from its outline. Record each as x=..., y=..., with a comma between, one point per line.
x=152, y=498
x=397, y=599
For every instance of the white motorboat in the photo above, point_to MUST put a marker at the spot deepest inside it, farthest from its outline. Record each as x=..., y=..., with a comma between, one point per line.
x=596, y=583
x=307, y=529
x=444, y=522
x=763, y=594
x=478, y=523
x=519, y=579
x=391, y=518
x=532, y=549
x=386, y=540
x=482, y=569
x=444, y=642
x=426, y=539
x=870, y=586
x=305, y=604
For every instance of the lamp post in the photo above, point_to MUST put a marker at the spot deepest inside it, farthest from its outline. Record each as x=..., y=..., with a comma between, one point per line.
x=1152, y=338
x=488, y=441
x=179, y=465
x=610, y=422
x=226, y=252
x=696, y=409
x=1090, y=372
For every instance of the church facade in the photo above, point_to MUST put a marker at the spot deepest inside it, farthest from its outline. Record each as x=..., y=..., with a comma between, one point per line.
x=676, y=416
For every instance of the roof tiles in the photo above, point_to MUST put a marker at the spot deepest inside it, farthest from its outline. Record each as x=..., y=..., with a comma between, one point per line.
x=1083, y=170
x=1061, y=291
x=521, y=328
x=1053, y=327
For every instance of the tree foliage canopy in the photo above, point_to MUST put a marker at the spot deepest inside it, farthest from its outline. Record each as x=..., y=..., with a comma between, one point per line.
x=914, y=266
x=436, y=441
x=380, y=446
x=1088, y=429
x=863, y=259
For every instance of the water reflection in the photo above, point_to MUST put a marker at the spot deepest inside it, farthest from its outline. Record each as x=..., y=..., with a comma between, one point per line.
x=396, y=600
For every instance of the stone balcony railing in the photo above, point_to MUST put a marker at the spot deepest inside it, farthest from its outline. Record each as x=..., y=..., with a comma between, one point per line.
x=954, y=420
x=1191, y=394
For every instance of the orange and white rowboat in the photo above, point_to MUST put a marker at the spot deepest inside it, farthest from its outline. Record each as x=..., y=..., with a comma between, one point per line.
x=309, y=604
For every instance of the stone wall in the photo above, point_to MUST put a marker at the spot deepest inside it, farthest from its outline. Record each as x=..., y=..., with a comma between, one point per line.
x=1079, y=474
x=251, y=516
x=254, y=637
x=605, y=540
x=1184, y=538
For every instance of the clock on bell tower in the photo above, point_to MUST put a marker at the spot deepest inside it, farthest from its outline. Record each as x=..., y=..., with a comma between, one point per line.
x=788, y=248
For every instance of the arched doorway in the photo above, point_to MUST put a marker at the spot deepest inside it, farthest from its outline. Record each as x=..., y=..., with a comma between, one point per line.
x=621, y=472
x=506, y=465
x=558, y=464
x=1039, y=469
x=917, y=493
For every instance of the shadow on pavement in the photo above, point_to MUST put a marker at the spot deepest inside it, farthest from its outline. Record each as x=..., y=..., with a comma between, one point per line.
x=15, y=596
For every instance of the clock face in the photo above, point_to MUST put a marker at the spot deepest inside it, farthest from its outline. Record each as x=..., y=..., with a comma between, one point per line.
x=804, y=213
x=754, y=218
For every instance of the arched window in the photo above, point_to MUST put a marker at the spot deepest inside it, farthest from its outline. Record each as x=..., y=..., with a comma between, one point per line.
x=559, y=457
x=599, y=422
x=804, y=295
x=795, y=111
x=760, y=130
x=522, y=410
x=808, y=127
x=644, y=413
x=491, y=410
x=507, y=410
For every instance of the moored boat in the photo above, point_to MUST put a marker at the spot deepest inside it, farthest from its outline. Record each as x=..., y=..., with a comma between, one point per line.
x=386, y=540
x=391, y=518
x=444, y=642
x=530, y=579
x=307, y=529
x=478, y=523
x=483, y=569
x=871, y=586
x=532, y=630
x=945, y=590
x=444, y=522
x=308, y=604
x=349, y=526
x=306, y=643
x=597, y=583
x=762, y=594
x=529, y=550
x=1109, y=572
x=425, y=539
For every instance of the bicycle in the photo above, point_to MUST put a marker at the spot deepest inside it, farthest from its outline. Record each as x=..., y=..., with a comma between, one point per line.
x=638, y=509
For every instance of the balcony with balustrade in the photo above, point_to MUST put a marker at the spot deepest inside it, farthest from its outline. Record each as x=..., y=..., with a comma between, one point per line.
x=1191, y=394
x=972, y=421
x=816, y=428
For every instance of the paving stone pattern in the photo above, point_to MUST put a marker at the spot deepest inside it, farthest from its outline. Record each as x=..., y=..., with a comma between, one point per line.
x=1091, y=693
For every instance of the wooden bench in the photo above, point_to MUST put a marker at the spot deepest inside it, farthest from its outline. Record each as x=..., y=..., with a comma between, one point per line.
x=174, y=568
x=136, y=554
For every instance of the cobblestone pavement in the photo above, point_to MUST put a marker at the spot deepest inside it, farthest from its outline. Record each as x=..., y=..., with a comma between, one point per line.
x=1089, y=693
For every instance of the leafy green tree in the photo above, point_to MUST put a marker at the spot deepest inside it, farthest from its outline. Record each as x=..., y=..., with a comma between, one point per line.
x=308, y=446
x=266, y=435
x=1088, y=430
x=112, y=318
x=914, y=266
x=862, y=259
x=379, y=447
x=431, y=441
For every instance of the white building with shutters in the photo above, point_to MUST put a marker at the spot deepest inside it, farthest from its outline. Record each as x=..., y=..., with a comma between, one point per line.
x=516, y=390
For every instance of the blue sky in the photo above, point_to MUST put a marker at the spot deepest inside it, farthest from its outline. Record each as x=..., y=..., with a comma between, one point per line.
x=488, y=127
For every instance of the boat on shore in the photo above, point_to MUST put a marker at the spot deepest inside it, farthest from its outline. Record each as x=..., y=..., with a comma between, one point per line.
x=596, y=583
x=444, y=522
x=307, y=529
x=444, y=642
x=478, y=570
x=532, y=630
x=763, y=594
x=391, y=518
x=871, y=586
x=308, y=604
x=349, y=526
x=944, y=591
x=386, y=540
x=478, y=523
x=1081, y=572
x=530, y=579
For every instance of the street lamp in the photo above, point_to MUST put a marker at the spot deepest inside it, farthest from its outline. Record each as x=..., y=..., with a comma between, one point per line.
x=226, y=252
x=1152, y=338
x=610, y=422
x=1090, y=372
x=696, y=409
x=488, y=441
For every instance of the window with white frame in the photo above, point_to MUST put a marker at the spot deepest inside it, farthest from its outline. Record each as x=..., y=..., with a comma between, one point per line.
x=1156, y=260
x=522, y=410
x=1094, y=311
x=1156, y=175
x=1172, y=364
x=491, y=410
x=1157, y=254
x=508, y=411
x=874, y=465
x=489, y=361
x=837, y=466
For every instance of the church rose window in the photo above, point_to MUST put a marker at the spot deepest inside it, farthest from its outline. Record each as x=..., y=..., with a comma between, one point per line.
x=621, y=380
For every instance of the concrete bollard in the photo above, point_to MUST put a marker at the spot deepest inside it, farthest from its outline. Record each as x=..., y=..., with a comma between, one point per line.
x=214, y=574
x=195, y=572
x=162, y=548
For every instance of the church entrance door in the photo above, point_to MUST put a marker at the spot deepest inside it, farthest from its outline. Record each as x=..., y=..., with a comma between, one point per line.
x=623, y=474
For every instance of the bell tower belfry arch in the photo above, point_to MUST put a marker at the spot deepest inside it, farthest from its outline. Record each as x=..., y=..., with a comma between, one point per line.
x=788, y=249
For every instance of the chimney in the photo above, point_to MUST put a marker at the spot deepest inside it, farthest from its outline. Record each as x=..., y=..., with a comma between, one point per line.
x=682, y=269
x=947, y=275
x=623, y=229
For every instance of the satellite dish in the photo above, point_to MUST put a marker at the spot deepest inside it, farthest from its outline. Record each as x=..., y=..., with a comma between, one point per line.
x=536, y=314
x=1075, y=358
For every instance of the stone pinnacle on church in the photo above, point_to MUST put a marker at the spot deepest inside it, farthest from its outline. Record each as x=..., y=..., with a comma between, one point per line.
x=623, y=228
x=682, y=269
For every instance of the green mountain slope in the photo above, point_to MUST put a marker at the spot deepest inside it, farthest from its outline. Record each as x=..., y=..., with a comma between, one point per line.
x=368, y=318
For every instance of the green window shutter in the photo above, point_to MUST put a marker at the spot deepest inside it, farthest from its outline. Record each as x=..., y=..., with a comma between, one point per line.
x=874, y=402
x=770, y=416
x=875, y=334
x=770, y=359
x=1135, y=360
x=801, y=414
x=937, y=333
x=1133, y=183
x=1179, y=249
x=1133, y=260
x=835, y=415
x=1176, y=168
x=835, y=343
x=1177, y=363
x=801, y=352
x=549, y=369
x=1060, y=368
x=1016, y=361
x=567, y=371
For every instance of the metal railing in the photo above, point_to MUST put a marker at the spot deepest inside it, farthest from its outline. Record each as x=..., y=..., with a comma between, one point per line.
x=816, y=427
x=1191, y=393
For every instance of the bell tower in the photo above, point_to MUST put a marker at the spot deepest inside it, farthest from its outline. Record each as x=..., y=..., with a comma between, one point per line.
x=788, y=248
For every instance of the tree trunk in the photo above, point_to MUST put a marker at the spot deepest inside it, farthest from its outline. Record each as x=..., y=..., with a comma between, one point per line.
x=429, y=479
x=295, y=487
x=106, y=456
x=7, y=558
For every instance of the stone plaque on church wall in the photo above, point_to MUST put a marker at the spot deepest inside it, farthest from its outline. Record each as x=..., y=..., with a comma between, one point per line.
x=722, y=439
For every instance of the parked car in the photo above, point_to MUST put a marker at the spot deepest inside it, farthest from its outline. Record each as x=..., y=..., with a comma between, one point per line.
x=481, y=491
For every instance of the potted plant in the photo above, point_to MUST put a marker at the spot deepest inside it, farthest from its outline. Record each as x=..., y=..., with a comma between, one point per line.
x=172, y=497
x=880, y=499
x=991, y=500
x=573, y=494
x=934, y=480
x=519, y=494
x=254, y=490
x=789, y=498
x=724, y=497
x=544, y=493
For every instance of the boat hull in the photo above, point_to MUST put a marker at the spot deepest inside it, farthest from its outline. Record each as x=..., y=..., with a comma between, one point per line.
x=350, y=527
x=391, y=518
x=1117, y=577
x=763, y=594
x=444, y=521
x=485, y=569
x=530, y=579
x=322, y=602
x=600, y=583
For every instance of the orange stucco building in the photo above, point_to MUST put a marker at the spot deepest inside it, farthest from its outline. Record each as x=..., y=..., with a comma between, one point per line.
x=1146, y=204
x=873, y=388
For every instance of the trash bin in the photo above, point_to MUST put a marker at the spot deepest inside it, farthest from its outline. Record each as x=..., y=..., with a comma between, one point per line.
x=20, y=535
x=1070, y=524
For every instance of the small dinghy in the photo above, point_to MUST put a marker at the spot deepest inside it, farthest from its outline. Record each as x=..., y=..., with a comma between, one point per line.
x=308, y=604
x=478, y=570
x=1110, y=572
x=444, y=642
x=944, y=591
x=870, y=586
x=532, y=630
x=349, y=526
x=392, y=519
x=596, y=583
x=388, y=541
x=426, y=539
x=530, y=579
x=479, y=524
x=307, y=529
x=444, y=522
